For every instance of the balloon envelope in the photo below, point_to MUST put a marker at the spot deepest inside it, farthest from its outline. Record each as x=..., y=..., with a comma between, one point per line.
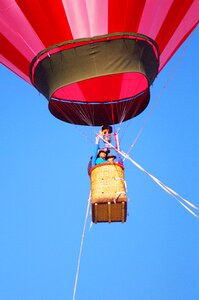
x=93, y=60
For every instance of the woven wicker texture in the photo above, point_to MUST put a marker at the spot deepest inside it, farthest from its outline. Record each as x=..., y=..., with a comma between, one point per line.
x=107, y=183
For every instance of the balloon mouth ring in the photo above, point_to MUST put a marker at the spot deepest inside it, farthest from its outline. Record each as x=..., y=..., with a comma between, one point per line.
x=96, y=114
x=83, y=91
x=109, y=54
x=99, y=70
x=84, y=41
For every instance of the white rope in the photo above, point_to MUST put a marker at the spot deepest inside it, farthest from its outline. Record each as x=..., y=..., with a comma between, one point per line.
x=80, y=250
x=178, y=197
x=184, y=202
x=117, y=196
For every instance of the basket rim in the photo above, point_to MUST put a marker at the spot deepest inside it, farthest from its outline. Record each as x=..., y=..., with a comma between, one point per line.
x=105, y=164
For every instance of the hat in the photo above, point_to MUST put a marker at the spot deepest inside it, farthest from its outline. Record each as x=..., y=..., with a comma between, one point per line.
x=111, y=155
x=108, y=128
x=102, y=150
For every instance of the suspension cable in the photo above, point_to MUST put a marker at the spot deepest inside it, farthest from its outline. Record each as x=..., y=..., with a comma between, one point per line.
x=184, y=202
x=80, y=250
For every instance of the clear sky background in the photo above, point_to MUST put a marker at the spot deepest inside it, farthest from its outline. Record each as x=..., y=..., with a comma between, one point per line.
x=44, y=189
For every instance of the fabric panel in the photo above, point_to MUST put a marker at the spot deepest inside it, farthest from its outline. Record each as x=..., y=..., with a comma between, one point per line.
x=94, y=60
x=16, y=28
x=49, y=20
x=124, y=16
x=87, y=18
x=99, y=114
x=18, y=61
x=112, y=87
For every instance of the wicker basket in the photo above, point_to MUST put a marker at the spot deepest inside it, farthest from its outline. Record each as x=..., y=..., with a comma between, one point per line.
x=108, y=193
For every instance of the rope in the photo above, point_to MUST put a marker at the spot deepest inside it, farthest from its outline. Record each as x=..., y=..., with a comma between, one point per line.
x=80, y=250
x=148, y=117
x=175, y=195
x=179, y=198
x=184, y=202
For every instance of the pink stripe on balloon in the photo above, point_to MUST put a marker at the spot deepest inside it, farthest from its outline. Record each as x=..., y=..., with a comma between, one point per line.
x=153, y=17
x=191, y=18
x=13, y=68
x=76, y=12
x=98, y=17
x=15, y=27
x=87, y=18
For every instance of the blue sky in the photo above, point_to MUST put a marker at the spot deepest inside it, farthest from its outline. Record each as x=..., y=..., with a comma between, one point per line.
x=45, y=187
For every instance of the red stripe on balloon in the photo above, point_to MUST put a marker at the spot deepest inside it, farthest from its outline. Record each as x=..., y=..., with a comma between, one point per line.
x=124, y=15
x=7, y=50
x=174, y=17
x=48, y=21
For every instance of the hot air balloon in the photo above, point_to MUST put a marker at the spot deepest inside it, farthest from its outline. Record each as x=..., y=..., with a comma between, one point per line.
x=94, y=61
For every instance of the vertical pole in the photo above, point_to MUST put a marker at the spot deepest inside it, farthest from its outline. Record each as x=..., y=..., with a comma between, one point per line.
x=95, y=213
x=109, y=212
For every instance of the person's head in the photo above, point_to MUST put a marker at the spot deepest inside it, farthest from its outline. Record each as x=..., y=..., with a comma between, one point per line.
x=102, y=154
x=111, y=157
